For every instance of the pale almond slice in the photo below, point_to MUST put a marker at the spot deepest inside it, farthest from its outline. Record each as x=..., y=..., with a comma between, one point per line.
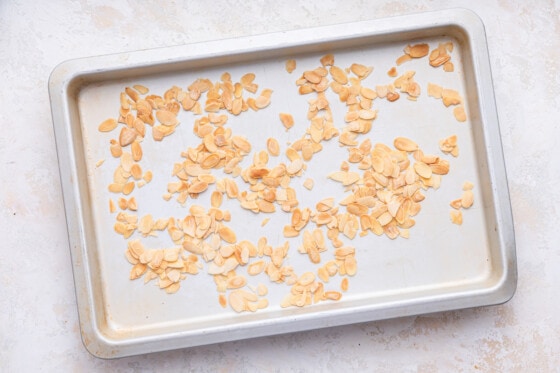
x=167, y=118
x=423, y=170
x=468, y=185
x=467, y=199
x=308, y=183
x=459, y=113
x=435, y=90
x=273, y=147
x=456, y=217
x=127, y=136
x=141, y=89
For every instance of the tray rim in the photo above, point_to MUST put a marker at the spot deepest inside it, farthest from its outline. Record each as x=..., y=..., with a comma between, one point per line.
x=69, y=74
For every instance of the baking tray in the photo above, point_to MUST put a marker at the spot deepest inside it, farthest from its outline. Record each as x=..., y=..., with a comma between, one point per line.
x=441, y=266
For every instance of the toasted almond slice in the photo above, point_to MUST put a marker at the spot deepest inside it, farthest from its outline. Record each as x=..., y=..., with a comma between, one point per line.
x=290, y=231
x=127, y=136
x=467, y=199
x=435, y=90
x=332, y=295
x=405, y=144
x=167, y=118
x=198, y=187
x=418, y=50
x=448, y=66
x=108, y=125
x=227, y=234
x=402, y=59
x=392, y=72
x=338, y=75
x=312, y=76
x=456, y=217
x=344, y=284
x=456, y=203
x=327, y=60
x=459, y=113
x=423, y=170
x=256, y=267
x=132, y=94
x=216, y=199
x=308, y=183
x=141, y=89
x=287, y=120
x=361, y=71
x=273, y=147
x=290, y=65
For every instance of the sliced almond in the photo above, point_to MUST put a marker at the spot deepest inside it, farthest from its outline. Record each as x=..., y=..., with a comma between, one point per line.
x=108, y=125
x=405, y=144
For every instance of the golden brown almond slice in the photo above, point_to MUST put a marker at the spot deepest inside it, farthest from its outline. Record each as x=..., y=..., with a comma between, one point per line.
x=405, y=144
x=418, y=50
x=312, y=76
x=287, y=120
x=360, y=70
x=392, y=72
x=344, y=284
x=338, y=75
x=456, y=203
x=290, y=65
x=450, y=97
x=112, y=207
x=132, y=94
x=327, y=60
x=108, y=125
x=227, y=234
x=136, y=150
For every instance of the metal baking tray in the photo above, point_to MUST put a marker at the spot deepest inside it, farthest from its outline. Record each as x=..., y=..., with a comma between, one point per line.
x=441, y=266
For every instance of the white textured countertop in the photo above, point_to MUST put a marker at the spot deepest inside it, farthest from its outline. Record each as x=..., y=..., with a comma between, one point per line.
x=39, y=327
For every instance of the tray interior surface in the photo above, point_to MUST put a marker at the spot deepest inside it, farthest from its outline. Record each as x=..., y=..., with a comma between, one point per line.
x=439, y=259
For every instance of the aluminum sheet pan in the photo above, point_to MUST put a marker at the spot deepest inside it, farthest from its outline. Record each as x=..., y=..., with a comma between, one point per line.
x=441, y=266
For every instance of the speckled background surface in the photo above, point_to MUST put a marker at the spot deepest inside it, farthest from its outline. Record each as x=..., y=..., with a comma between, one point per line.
x=38, y=316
